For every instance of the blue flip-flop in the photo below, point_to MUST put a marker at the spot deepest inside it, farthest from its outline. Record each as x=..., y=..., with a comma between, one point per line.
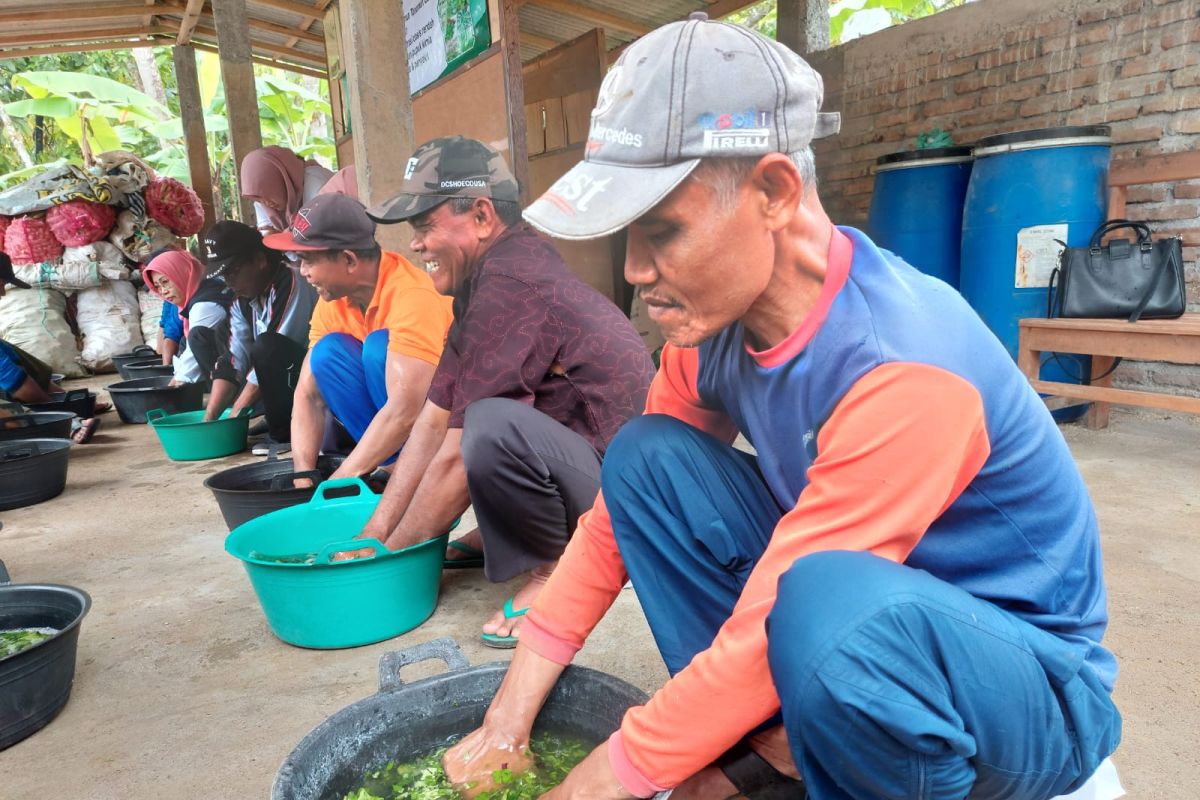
x=473, y=560
x=504, y=642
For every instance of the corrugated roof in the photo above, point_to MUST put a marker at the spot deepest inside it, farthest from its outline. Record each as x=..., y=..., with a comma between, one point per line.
x=291, y=31
x=548, y=23
x=285, y=32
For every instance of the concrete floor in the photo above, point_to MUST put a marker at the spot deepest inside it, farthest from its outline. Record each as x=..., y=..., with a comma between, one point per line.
x=181, y=691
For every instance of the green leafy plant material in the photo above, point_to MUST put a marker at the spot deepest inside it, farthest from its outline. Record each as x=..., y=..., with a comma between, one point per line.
x=14, y=641
x=930, y=140
x=425, y=779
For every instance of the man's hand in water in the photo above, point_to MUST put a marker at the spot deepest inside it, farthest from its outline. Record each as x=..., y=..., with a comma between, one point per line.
x=364, y=552
x=471, y=762
x=592, y=779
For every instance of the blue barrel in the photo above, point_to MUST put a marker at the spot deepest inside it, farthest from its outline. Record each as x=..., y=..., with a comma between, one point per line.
x=1030, y=188
x=917, y=207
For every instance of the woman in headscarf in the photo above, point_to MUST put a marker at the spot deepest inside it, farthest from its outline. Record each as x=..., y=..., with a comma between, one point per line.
x=280, y=183
x=178, y=277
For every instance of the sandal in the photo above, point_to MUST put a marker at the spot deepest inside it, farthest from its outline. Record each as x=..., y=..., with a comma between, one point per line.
x=83, y=430
x=473, y=556
x=504, y=642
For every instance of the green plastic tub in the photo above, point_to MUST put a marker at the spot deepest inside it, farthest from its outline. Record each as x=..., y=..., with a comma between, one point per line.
x=187, y=437
x=311, y=601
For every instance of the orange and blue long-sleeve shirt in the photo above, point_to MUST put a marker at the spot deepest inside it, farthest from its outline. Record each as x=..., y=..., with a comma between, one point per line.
x=891, y=421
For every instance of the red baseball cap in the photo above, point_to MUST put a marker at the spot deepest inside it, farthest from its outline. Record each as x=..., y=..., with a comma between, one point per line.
x=329, y=222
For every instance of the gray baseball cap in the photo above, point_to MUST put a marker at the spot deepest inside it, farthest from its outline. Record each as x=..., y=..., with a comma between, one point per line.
x=685, y=91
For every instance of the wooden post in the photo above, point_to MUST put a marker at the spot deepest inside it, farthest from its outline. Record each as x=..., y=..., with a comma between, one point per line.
x=514, y=80
x=194, y=136
x=803, y=25
x=237, y=75
x=380, y=104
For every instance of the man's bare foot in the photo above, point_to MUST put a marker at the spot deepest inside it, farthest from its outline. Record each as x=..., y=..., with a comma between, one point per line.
x=502, y=626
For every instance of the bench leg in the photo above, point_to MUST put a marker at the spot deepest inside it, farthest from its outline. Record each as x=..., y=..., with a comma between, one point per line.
x=1097, y=416
x=1029, y=361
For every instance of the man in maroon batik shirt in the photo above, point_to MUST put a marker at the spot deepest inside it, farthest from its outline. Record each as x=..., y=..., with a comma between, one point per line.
x=538, y=373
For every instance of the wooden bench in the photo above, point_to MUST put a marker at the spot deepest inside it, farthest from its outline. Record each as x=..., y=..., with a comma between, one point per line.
x=1174, y=340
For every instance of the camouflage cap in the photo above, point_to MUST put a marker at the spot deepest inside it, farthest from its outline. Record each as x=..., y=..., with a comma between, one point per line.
x=454, y=166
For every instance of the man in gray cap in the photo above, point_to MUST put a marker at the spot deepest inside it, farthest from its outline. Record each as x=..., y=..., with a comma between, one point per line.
x=900, y=594
x=539, y=372
x=375, y=335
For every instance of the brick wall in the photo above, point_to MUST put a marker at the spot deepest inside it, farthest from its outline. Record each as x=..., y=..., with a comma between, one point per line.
x=996, y=66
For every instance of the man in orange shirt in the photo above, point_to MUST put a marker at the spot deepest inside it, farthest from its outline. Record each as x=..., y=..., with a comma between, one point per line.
x=375, y=338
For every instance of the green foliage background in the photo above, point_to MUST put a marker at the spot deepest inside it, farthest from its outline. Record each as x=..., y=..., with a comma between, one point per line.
x=762, y=16
x=57, y=101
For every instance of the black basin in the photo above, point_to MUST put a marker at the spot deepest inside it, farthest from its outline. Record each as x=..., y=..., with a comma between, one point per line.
x=32, y=471
x=151, y=369
x=249, y=491
x=139, y=353
x=36, y=683
x=134, y=398
x=406, y=721
x=125, y=367
x=80, y=402
x=38, y=425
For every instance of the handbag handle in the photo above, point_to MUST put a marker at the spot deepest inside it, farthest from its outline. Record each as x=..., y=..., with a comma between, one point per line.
x=1143, y=231
x=1162, y=269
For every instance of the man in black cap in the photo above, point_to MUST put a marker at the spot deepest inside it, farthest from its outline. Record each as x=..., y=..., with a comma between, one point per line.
x=375, y=335
x=269, y=324
x=539, y=372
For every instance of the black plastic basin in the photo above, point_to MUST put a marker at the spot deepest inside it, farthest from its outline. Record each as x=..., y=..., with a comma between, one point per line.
x=246, y=492
x=152, y=369
x=124, y=368
x=80, y=402
x=134, y=398
x=406, y=721
x=32, y=471
x=36, y=683
x=38, y=425
x=139, y=353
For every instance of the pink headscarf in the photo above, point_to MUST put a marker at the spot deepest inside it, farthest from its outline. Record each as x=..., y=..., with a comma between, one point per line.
x=277, y=174
x=182, y=269
x=344, y=181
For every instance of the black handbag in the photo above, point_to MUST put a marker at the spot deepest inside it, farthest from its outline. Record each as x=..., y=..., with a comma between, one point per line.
x=1122, y=279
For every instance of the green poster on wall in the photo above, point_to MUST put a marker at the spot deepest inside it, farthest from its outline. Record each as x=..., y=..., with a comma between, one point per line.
x=442, y=35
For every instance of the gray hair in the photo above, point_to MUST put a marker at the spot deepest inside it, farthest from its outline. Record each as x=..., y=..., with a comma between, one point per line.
x=723, y=176
x=507, y=211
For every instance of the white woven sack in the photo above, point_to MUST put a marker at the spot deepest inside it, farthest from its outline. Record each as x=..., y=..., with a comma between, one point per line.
x=151, y=307
x=33, y=320
x=110, y=322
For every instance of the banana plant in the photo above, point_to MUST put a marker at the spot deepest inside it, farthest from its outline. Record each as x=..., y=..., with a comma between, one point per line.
x=99, y=114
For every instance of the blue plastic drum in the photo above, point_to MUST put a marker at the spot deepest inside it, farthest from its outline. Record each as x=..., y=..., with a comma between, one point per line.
x=1027, y=190
x=917, y=208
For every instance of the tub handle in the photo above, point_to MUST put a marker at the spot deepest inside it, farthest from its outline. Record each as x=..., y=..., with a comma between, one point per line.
x=146, y=349
x=390, y=664
x=368, y=542
x=155, y=414
x=30, y=450
x=320, y=496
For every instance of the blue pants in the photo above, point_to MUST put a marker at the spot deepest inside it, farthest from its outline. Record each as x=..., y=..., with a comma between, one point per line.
x=893, y=683
x=352, y=377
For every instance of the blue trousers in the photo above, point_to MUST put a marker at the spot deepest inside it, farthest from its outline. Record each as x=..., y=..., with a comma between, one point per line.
x=352, y=377
x=892, y=683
